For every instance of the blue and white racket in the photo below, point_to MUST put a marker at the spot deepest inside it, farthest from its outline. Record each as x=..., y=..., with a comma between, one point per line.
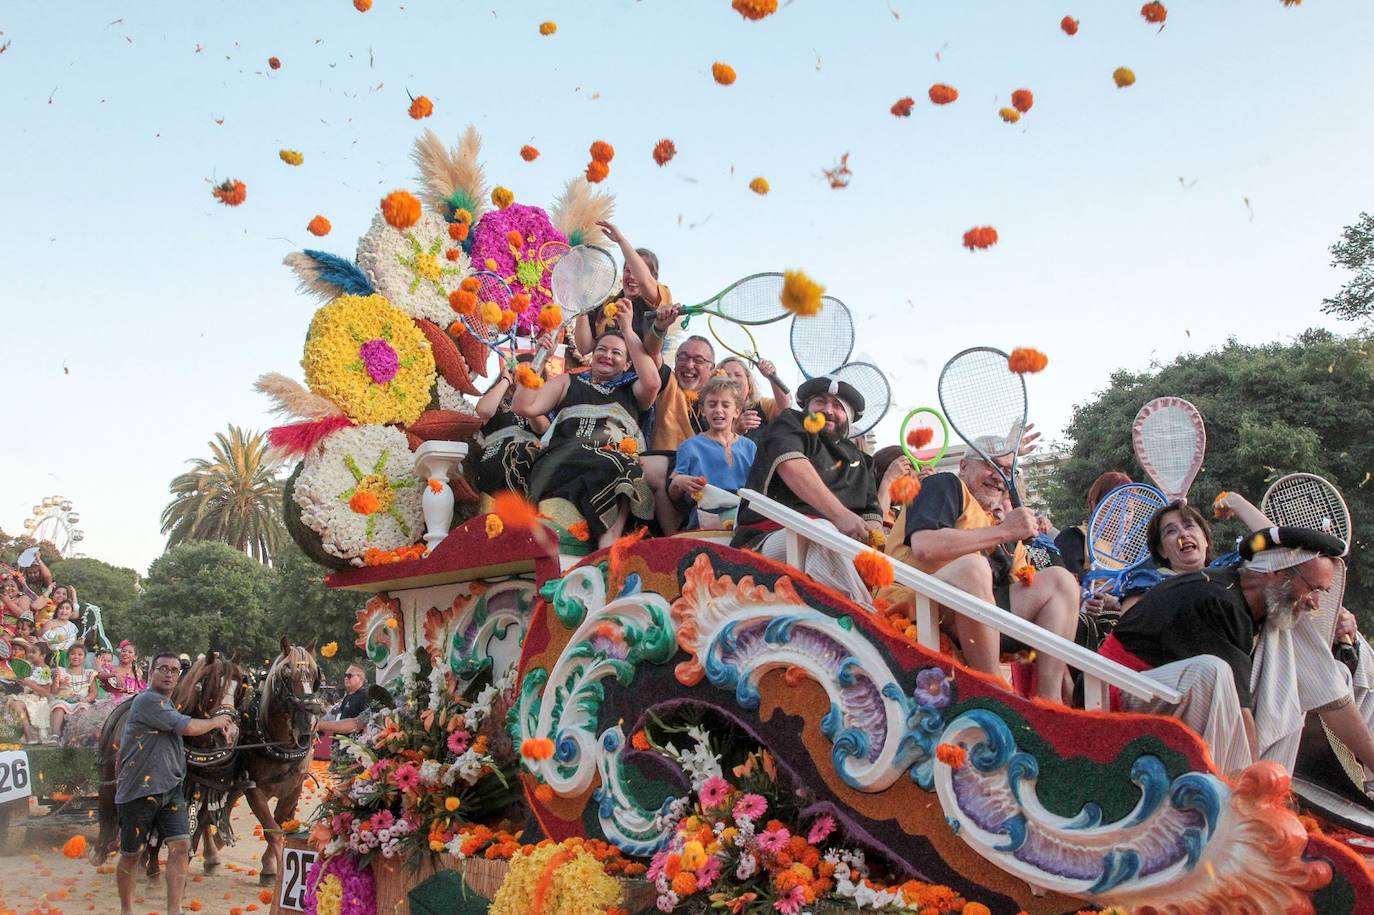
x=492, y=288
x=823, y=342
x=1117, y=536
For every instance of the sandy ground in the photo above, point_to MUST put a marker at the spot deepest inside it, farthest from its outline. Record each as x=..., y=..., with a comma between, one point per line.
x=35, y=877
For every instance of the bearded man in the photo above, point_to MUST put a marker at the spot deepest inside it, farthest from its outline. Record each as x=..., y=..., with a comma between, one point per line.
x=819, y=473
x=1197, y=633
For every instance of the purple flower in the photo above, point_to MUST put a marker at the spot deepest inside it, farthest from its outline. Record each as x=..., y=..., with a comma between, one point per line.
x=527, y=272
x=934, y=689
x=822, y=827
x=774, y=839
x=714, y=791
x=750, y=807
x=380, y=360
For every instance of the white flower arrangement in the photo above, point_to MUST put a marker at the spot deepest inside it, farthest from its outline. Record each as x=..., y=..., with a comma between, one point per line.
x=450, y=398
x=412, y=268
x=699, y=761
x=353, y=462
x=437, y=687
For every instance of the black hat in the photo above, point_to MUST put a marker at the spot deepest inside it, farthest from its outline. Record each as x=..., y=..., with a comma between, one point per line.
x=825, y=384
x=1283, y=547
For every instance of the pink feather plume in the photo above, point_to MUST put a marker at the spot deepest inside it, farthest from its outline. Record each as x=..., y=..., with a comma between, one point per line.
x=298, y=439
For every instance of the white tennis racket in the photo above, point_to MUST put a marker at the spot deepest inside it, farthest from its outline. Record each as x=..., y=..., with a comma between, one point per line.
x=1307, y=500
x=1170, y=442
x=580, y=281
x=872, y=384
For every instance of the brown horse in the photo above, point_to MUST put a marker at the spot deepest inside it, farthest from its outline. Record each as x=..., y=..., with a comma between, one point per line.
x=213, y=686
x=276, y=744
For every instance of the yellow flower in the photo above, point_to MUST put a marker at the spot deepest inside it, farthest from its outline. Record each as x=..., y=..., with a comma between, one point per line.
x=370, y=359
x=693, y=855
x=800, y=294
x=759, y=185
x=328, y=651
x=610, y=311
x=451, y=804
x=391, y=623
x=1123, y=77
x=814, y=422
x=877, y=539
x=494, y=526
x=548, y=28
x=502, y=197
x=291, y=156
x=1010, y=115
x=490, y=312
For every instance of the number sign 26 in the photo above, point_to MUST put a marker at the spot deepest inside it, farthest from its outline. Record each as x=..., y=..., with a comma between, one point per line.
x=14, y=775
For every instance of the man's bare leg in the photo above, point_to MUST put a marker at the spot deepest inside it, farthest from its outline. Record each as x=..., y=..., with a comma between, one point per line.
x=1051, y=602
x=124, y=878
x=178, y=861
x=655, y=467
x=981, y=644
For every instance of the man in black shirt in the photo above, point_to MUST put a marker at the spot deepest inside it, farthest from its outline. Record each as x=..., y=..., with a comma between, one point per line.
x=1197, y=632
x=820, y=474
x=351, y=709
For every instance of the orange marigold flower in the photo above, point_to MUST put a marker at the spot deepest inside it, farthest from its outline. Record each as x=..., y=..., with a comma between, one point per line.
x=759, y=186
x=508, y=319
x=452, y=254
x=364, y=502
x=877, y=539
x=754, y=9
x=975, y=908
x=602, y=152
x=1023, y=359
x=628, y=447
x=902, y=107
x=529, y=153
x=463, y=301
x=639, y=740
x=543, y=793
x=520, y=301
x=1010, y=115
x=536, y=748
x=490, y=312
x=231, y=192
x=1069, y=25
x=1022, y=99
x=435, y=485
x=319, y=226
x=264, y=895
x=274, y=63
x=1123, y=77
x=548, y=27
x=401, y=209
x=722, y=73
x=981, y=237
x=684, y=884
x=597, y=172
x=814, y=422
x=502, y=197
x=550, y=316
x=421, y=107
x=874, y=568
x=1220, y=510
x=920, y=437
x=362, y=6
x=941, y=94
x=494, y=527
x=75, y=847
x=514, y=510
x=951, y=754
x=801, y=295
x=515, y=239
x=457, y=329
x=1154, y=13
x=527, y=377
x=470, y=284
x=1025, y=575
x=904, y=489
x=458, y=231
x=580, y=531
x=610, y=310
x=664, y=150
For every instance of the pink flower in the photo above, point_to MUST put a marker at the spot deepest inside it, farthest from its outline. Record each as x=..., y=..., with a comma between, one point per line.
x=656, y=865
x=774, y=839
x=790, y=903
x=714, y=791
x=709, y=872
x=382, y=820
x=823, y=827
x=407, y=777
x=458, y=742
x=750, y=807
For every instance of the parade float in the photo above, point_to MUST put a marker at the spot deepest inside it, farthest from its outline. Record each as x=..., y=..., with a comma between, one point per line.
x=671, y=723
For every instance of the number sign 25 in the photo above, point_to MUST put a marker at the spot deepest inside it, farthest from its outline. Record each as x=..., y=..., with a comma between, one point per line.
x=296, y=864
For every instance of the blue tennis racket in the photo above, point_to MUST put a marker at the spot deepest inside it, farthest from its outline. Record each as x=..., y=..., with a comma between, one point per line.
x=492, y=288
x=1117, y=536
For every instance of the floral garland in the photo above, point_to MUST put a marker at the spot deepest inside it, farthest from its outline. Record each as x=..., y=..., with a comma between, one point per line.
x=370, y=359
x=340, y=885
x=416, y=269
x=562, y=879
x=359, y=492
x=522, y=265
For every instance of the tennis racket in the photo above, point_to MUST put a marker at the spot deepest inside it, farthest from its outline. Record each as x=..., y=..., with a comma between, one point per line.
x=985, y=403
x=823, y=342
x=1307, y=500
x=756, y=299
x=1170, y=442
x=739, y=340
x=492, y=288
x=873, y=386
x=1117, y=536
x=551, y=251
x=580, y=282
x=927, y=455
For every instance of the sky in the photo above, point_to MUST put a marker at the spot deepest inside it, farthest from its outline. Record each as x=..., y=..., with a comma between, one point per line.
x=1135, y=224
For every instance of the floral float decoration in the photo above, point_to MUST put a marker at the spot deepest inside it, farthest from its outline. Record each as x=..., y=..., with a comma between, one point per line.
x=340, y=885
x=512, y=243
x=417, y=268
x=359, y=492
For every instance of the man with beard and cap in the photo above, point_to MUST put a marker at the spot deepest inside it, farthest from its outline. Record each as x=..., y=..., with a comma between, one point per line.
x=820, y=474
x=961, y=529
x=1197, y=633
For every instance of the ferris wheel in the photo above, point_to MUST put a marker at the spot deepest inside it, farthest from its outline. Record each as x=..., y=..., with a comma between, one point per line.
x=54, y=520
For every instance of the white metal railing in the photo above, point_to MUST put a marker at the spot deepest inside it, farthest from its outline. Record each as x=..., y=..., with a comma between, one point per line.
x=1099, y=673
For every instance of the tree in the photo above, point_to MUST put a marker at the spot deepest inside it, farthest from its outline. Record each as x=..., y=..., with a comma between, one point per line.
x=302, y=608
x=11, y=547
x=1355, y=251
x=1270, y=410
x=234, y=497
x=200, y=596
x=111, y=588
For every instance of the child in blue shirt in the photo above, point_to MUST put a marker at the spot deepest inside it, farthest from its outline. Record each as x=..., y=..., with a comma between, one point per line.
x=719, y=456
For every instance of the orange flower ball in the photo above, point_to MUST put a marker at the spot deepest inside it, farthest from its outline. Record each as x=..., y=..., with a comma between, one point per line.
x=274, y=63
x=597, y=172
x=664, y=150
x=401, y=209
x=1069, y=25
x=902, y=107
x=723, y=73
x=319, y=226
x=529, y=153
x=602, y=152
x=362, y=6
x=1154, y=13
x=941, y=94
x=1022, y=99
x=421, y=107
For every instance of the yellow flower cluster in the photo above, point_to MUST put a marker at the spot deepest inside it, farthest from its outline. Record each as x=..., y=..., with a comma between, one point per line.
x=579, y=886
x=801, y=295
x=502, y=197
x=345, y=360
x=291, y=157
x=759, y=185
x=329, y=896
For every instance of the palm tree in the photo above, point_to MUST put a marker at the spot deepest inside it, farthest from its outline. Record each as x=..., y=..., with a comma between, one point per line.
x=234, y=497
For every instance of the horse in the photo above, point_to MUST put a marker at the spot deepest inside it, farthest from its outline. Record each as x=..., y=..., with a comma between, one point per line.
x=276, y=745
x=213, y=686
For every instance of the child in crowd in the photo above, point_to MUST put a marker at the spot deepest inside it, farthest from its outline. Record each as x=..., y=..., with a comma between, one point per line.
x=719, y=456
x=60, y=632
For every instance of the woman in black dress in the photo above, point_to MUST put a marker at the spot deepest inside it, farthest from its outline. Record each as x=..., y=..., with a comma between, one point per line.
x=510, y=442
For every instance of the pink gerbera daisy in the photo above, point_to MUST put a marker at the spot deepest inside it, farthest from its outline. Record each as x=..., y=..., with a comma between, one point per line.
x=774, y=839
x=407, y=777
x=750, y=807
x=458, y=742
x=790, y=902
x=714, y=791
x=823, y=827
